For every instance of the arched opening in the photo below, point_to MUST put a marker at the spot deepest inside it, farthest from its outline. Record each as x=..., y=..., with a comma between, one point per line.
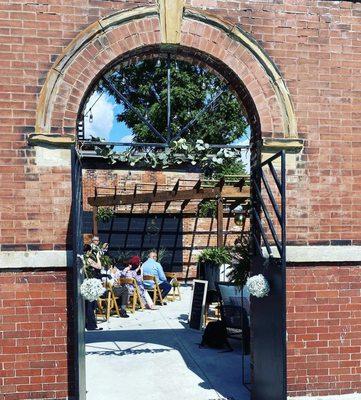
x=218, y=91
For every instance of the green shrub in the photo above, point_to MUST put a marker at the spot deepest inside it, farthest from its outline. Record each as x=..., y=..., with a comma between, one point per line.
x=215, y=255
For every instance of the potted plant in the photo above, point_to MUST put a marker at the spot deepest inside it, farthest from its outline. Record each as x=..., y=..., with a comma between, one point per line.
x=104, y=214
x=210, y=261
x=207, y=209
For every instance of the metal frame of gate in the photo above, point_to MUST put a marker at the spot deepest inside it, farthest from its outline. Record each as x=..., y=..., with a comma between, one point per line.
x=268, y=315
x=268, y=347
x=77, y=343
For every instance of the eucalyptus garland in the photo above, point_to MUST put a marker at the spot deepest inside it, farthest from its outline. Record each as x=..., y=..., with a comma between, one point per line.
x=179, y=152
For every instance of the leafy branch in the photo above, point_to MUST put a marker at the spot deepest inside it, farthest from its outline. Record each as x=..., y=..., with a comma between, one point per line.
x=179, y=152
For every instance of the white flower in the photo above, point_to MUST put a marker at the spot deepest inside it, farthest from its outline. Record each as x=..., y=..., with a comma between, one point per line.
x=258, y=286
x=91, y=289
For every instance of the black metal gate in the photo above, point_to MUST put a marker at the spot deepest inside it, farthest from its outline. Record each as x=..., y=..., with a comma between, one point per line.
x=77, y=328
x=268, y=314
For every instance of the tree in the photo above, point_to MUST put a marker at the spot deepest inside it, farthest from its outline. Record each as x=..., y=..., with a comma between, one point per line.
x=144, y=84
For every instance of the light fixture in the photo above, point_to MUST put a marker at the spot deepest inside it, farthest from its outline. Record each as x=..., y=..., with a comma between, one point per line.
x=91, y=118
x=241, y=212
x=152, y=228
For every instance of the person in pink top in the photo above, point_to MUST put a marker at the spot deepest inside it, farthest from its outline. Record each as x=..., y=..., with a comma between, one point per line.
x=132, y=270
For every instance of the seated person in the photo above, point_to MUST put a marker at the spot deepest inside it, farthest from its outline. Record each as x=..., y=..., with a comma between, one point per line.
x=152, y=267
x=92, y=268
x=120, y=291
x=93, y=258
x=132, y=270
x=98, y=247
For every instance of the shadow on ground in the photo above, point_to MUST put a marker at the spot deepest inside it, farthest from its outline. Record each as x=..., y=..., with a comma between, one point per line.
x=217, y=372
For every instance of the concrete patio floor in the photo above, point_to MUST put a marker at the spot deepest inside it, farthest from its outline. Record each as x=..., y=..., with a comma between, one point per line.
x=153, y=355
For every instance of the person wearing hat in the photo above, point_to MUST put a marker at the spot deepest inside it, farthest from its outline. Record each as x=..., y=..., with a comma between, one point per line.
x=120, y=291
x=132, y=270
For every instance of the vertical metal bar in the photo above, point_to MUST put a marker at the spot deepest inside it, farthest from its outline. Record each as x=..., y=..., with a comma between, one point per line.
x=95, y=221
x=243, y=363
x=192, y=246
x=210, y=232
x=168, y=98
x=227, y=227
x=256, y=171
x=283, y=204
x=113, y=217
x=129, y=219
x=175, y=248
x=144, y=229
x=77, y=303
x=262, y=232
x=160, y=232
x=219, y=222
x=283, y=263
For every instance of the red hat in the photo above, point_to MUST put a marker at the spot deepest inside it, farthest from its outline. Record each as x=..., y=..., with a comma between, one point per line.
x=134, y=261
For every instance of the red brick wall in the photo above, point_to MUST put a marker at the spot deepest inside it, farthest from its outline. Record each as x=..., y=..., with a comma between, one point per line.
x=33, y=335
x=324, y=329
x=315, y=44
x=34, y=202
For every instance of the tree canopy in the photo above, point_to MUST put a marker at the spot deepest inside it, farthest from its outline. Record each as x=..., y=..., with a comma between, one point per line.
x=144, y=84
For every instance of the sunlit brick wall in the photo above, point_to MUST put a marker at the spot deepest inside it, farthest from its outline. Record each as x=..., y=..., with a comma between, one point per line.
x=324, y=329
x=34, y=356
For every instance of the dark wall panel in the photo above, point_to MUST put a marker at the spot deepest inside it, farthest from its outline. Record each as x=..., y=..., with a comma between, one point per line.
x=141, y=233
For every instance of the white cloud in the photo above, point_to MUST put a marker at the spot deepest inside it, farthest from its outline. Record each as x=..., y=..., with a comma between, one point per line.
x=127, y=138
x=103, y=116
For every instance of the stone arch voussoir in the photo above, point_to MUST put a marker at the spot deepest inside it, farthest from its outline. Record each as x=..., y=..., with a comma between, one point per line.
x=111, y=37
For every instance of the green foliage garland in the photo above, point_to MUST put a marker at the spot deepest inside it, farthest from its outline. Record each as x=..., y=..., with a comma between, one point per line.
x=179, y=152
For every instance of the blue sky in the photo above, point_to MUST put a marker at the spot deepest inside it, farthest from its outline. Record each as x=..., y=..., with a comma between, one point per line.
x=105, y=124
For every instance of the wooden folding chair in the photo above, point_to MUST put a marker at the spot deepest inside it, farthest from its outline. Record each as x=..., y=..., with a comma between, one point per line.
x=157, y=293
x=110, y=301
x=135, y=296
x=175, y=287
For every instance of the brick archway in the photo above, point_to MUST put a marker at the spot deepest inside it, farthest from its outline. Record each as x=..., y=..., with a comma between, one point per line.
x=109, y=38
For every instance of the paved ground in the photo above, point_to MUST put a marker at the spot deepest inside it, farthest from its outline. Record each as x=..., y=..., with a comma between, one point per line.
x=153, y=355
x=354, y=396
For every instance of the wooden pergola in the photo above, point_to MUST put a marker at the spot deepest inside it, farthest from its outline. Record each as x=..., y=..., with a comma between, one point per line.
x=224, y=193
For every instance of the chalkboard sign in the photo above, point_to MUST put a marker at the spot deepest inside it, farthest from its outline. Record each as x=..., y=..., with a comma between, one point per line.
x=198, y=304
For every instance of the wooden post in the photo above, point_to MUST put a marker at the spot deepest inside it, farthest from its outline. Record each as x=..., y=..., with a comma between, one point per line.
x=219, y=222
x=95, y=221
